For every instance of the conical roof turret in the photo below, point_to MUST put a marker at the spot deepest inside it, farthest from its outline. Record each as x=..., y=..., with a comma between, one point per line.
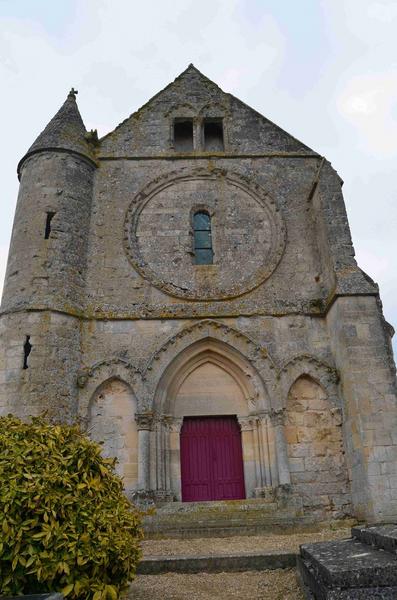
x=66, y=132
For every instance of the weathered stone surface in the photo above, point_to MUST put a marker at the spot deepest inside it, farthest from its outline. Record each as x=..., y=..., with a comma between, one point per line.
x=228, y=518
x=65, y=131
x=159, y=238
x=350, y=563
x=380, y=536
x=315, y=449
x=315, y=589
x=216, y=564
x=348, y=569
x=128, y=334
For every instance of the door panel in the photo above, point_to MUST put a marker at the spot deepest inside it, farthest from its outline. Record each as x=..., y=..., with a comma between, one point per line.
x=211, y=459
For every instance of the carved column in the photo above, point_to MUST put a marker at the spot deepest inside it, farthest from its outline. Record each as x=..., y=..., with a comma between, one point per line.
x=278, y=419
x=247, y=442
x=257, y=452
x=265, y=450
x=144, y=424
x=174, y=456
x=166, y=425
x=157, y=469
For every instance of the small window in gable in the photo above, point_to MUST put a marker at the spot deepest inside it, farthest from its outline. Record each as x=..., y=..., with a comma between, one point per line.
x=203, y=252
x=183, y=135
x=213, y=135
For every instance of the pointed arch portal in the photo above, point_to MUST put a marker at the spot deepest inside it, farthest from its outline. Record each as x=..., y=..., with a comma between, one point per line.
x=211, y=418
x=210, y=438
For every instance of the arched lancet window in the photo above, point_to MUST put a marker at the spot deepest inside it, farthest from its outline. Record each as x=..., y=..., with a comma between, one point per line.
x=203, y=252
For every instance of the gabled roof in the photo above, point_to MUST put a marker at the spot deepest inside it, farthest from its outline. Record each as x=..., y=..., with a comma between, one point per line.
x=191, y=89
x=188, y=73
x=66, y=132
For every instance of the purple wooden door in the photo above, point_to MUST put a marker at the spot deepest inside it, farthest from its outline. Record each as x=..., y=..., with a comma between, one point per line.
x=211, y=459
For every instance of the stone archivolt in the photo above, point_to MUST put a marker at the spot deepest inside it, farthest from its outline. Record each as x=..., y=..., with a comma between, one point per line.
x=261, y=415
x=184, y=109
x=214, y=109
x=90, y=379
x=248, y=224
x=259, y=366
x=276, y=380
x=305, y=364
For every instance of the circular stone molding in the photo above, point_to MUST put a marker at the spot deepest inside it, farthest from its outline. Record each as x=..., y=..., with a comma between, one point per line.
x=248, y=234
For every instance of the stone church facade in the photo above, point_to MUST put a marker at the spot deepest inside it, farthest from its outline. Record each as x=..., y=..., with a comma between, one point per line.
x=186, y=287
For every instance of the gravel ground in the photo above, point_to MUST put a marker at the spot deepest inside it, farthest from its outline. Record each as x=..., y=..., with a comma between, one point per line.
x=279, y=584
x=238, y=544
x=253, y=585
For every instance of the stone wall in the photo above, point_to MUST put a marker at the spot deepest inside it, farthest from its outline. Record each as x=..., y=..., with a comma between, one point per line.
x=184, y=368
x=111, y=422
x=127, y=260
x=117, y=311
x=148, y=132
x=361, y=343
x=49, y=382
x=316, y=450
x=41, y=272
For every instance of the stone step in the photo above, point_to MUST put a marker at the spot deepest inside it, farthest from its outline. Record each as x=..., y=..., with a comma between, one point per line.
x=219, y=506
x=157, y=529
x=347, y=569
x=379, y=536
x=221, y=519
x=314, y=589
x=155, y=565
x=347, y=563
x=228, y=518
x=206, y=519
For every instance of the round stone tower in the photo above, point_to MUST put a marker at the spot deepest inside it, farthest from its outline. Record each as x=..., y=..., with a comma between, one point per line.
x=44, y=285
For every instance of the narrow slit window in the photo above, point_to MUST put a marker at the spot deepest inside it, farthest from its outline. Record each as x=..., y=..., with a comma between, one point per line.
x=183, y=135
x=213, y=135
x=27, y=349
x=203, y=252
x=47, y=231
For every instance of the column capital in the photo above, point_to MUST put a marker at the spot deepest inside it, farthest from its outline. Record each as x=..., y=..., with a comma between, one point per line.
x=174, y=424
x=246, y=423
x=263, y=416
x=144, y=420
x=164, y=419
x=277, y=416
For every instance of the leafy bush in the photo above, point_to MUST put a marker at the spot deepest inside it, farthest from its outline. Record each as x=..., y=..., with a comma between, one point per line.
x=66, y=524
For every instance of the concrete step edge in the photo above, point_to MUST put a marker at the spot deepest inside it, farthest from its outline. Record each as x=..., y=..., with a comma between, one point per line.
x=314, y=589
x=304, y=577
x=216, y=563
x=379, y=572
x=206, y=531
x=220, y=514
x=214, y=522
x=377, y=536
x=160, y=519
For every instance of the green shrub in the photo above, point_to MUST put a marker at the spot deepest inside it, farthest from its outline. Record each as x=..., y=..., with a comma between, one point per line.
x=65, y=524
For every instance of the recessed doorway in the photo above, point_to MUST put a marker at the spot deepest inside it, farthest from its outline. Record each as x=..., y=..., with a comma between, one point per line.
x=211, y=459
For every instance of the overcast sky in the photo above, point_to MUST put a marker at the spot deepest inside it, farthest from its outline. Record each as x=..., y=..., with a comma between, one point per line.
x=324, y=70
